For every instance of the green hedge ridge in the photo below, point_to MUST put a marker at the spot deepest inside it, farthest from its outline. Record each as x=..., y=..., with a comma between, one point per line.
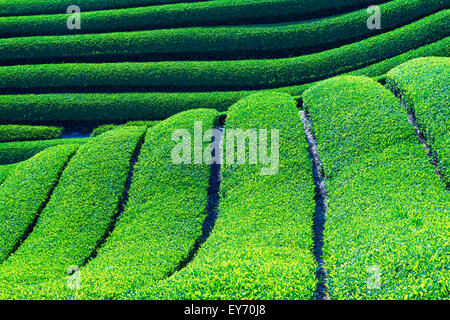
x=12, y=152
x=261, y=245
x=11, y=133
x=25, y=191
x=380, y=69
x=165, y=215
x=107, y=127
x=242, y=74
x=31, y=7
x=109, y=107
x=157, y=105
x=424, y=85
x=224, y=42
x=218, y=12
x=385, y=231
x=78, y=214
x=5, y=170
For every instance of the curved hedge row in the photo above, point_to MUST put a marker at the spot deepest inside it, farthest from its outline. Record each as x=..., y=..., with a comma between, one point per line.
x=30, y=7
x=165, y=215
x=25, y=192
x=109, y=107
x=12, y=152
x=218, y=12
x=386, y=206
x=224, y=43
x=380, y=69
x=155, y=105
x=102, y=129
x=261, y=245
x=78, y=214
x=244, y=74
x=424, y=86
x=10, y=133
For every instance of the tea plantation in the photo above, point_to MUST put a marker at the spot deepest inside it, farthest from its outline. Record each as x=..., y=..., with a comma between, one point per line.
x=341, y=130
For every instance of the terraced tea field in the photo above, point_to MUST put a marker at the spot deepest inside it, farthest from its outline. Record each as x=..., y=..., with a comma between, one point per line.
x=225, y=149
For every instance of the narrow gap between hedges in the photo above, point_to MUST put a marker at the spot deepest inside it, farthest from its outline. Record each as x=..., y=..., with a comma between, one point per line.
x=122, y=203
x=39, y=211
x=434, y=160
x=215, y=178
x=320, y=212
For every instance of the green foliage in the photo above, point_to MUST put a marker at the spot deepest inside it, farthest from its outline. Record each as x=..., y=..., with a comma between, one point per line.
x=424, y=85
x=225, y=41
x=144, y=123
x=10, y=7
x=261, y=245
x=107, y=107
x=12, y=152
x=158, y=105
x=25, y=192
x=165, y=214
x=387, y=209
x=102, y=129
x=240, y=74
x=10, y=133
x=78, y=214
x=218, y=12
x=438, y=48
x=62, y=107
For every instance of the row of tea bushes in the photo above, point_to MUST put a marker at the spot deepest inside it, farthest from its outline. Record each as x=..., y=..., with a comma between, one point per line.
x=107, y=127
x=13, y=152
x=119, y=107
x=261, y=245
x=37, y=7
x=218, y=12
x=224, y=42
x=423, y=85
x=26, y=191
x=11, y=133
x=78, y=214
x=228, y=75
x=163, y=219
